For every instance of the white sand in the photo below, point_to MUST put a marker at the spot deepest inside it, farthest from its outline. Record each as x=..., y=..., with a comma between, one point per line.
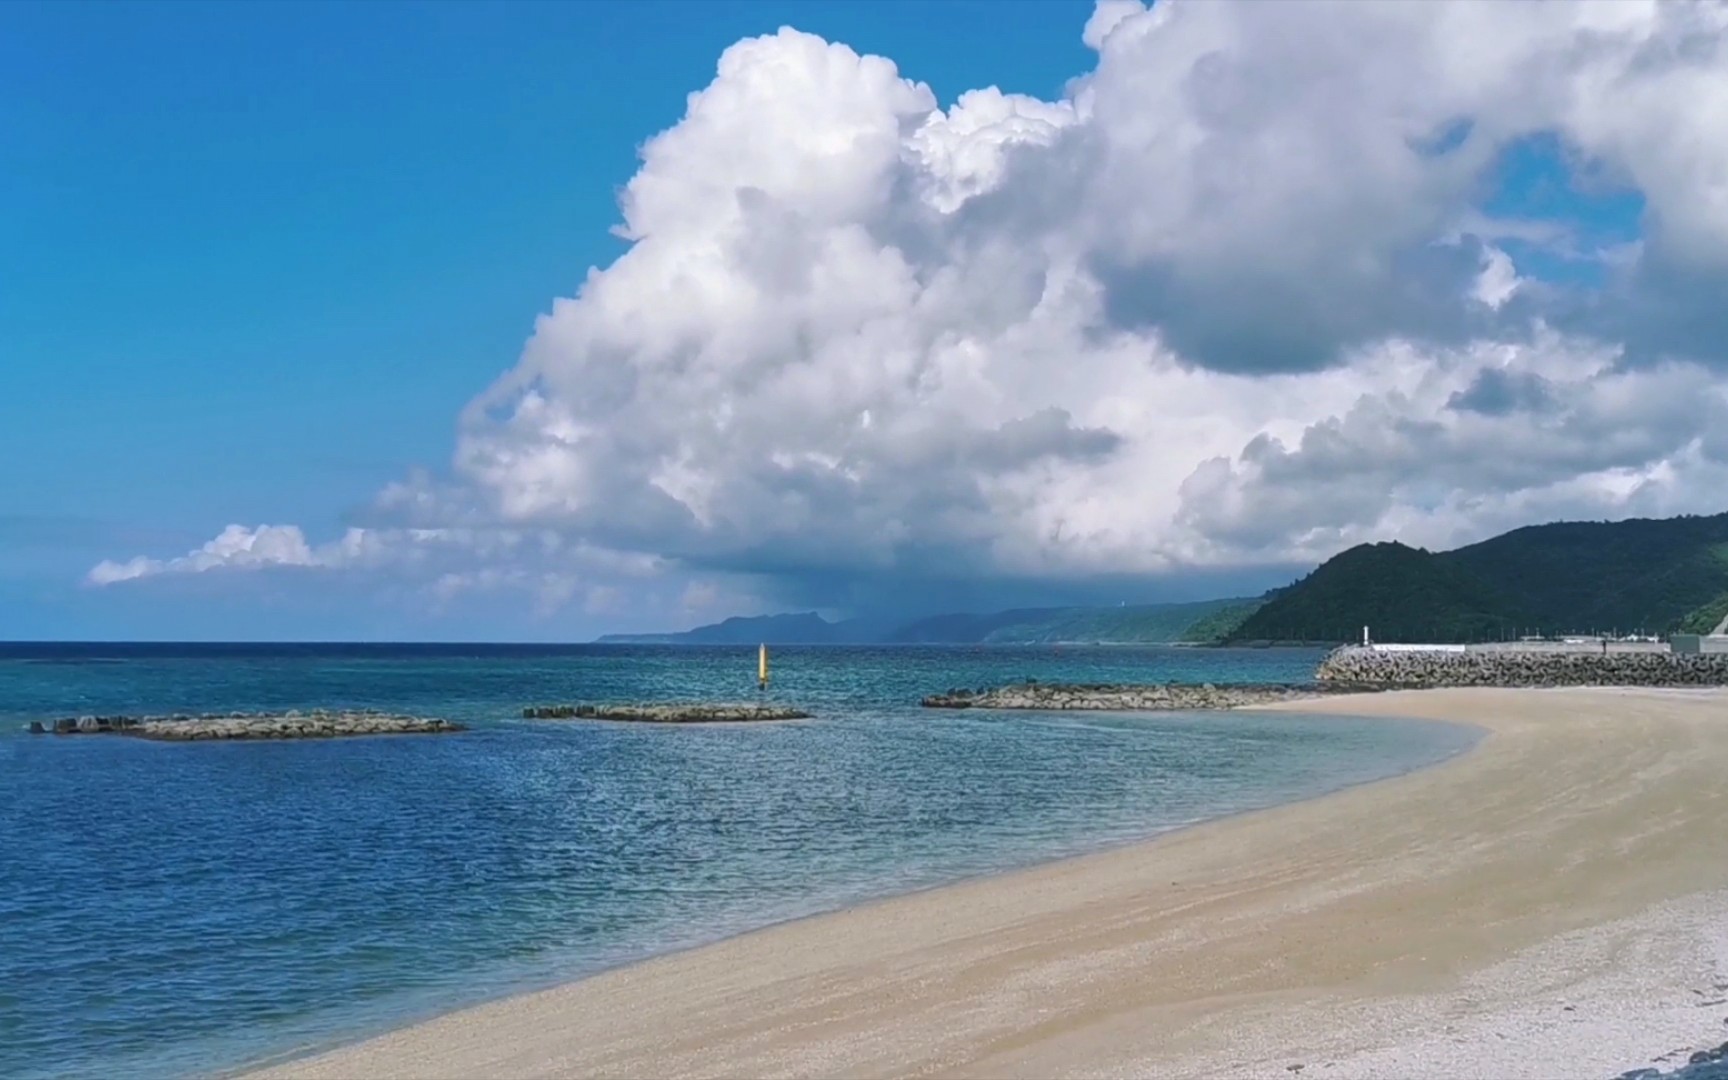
x=1639, y=992
x=1433, y=925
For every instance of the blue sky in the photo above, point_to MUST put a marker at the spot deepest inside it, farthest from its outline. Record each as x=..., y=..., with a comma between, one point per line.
x=257, y=256
x=1193, y=299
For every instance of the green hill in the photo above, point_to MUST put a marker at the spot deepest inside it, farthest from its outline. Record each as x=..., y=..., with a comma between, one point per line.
x=1403, y=593
x=1218, y=624
x=1638, y=574
x=1706, y=619
x=1656, y=576
x=1196, y=623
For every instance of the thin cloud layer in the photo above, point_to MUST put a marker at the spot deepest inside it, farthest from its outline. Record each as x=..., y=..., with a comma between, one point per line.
x=1241, y=297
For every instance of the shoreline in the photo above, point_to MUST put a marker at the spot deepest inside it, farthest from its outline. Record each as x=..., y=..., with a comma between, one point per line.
x=1166, y=954
x=283, y=1063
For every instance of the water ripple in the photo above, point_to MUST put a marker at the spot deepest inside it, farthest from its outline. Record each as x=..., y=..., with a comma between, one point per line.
x=175, y=908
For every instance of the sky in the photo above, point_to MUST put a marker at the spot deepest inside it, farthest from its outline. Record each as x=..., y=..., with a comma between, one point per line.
x=533, y=322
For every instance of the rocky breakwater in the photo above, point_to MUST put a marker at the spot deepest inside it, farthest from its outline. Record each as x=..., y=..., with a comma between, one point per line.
x=666, y=713
x=184, y=727
x=1361, y=667
x=1116, y=696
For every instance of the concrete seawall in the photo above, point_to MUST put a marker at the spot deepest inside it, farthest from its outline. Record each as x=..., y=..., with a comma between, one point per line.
x=1520, y=668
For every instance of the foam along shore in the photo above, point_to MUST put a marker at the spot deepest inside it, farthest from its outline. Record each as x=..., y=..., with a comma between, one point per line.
x=1539, y=905
x=666, y=713
x=317, y=724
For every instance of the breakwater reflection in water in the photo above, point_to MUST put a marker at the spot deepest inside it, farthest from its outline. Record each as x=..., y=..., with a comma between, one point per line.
x=167, y=908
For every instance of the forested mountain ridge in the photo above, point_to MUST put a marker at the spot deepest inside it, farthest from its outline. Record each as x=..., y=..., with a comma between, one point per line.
x=1650, y=575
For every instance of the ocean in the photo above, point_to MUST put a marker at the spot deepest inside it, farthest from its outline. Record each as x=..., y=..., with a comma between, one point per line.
x=173, y=909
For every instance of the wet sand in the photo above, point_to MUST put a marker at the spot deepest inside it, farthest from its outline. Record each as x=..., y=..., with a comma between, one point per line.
x=1551, y=892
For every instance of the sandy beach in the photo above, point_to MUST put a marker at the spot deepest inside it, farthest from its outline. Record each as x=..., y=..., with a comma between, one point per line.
x=1550, y=903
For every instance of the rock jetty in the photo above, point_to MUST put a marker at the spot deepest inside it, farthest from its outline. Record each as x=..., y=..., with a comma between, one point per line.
x=1117, y=696
x=666, y=713
x=183, y=727
x=1363, y=668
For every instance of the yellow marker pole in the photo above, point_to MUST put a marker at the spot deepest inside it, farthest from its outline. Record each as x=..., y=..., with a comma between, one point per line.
x=762, y=667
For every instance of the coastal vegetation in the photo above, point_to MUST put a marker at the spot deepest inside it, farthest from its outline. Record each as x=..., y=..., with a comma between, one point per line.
x=1705, y=619
x=1403, y=593
x=1653, y=576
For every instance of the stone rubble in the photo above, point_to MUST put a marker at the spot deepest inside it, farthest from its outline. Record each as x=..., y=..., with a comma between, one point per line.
x=185, y=727
x=666, y=713
x=1117, y=696
x=1365, y=667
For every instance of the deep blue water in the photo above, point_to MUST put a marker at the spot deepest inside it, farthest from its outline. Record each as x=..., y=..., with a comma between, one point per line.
x=174, y=908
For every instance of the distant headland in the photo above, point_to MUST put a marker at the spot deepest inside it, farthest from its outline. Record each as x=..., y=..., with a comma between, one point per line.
x=1640, y=579
x=1196, y=623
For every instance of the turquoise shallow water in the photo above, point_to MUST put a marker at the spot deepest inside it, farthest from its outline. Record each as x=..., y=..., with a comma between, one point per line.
x=175, y=908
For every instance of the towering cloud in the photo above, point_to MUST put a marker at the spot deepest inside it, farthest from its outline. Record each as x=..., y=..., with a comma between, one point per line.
x=1255, y=288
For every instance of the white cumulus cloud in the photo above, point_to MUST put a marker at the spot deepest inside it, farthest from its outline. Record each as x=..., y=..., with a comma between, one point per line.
x=235, y=546
x=1235, y=299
